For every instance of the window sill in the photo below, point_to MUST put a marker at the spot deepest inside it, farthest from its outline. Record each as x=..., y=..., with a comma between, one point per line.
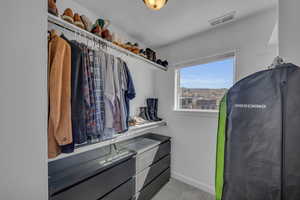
x=197, y=113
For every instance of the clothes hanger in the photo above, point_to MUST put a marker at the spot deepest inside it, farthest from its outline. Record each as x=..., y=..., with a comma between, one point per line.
x=75, y=36
x=277, y=62
x=87, y=42
x=95, y=44
x=53, y=33
x=49, y=35
x=80, y=40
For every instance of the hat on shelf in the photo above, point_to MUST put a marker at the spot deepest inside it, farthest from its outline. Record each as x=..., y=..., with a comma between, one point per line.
x=77, y=21
x=103, y=23
x=52, y=8
x=68, y=15
x=87, y=23
x=106, y=35
x=97, y=30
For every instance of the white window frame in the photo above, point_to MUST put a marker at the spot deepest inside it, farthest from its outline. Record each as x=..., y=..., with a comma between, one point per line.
x=201, y=61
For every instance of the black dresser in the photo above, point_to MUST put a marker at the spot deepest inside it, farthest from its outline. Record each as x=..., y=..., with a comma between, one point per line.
x=136, y=171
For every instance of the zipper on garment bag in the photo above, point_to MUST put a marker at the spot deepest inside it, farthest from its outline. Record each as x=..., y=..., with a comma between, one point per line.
x=283, y=85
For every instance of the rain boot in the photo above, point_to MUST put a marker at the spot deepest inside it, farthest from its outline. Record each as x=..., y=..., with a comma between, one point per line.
x=143, y=113
x=150, y=106
x=156, y=110
x=147, y=114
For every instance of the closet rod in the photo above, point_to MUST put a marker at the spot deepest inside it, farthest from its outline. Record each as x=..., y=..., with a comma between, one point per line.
x=65, y=25
x=78, y=32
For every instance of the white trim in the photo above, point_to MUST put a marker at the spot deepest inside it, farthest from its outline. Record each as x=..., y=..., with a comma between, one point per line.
x=235, y=68
x=198, y=114
x=177, y=85
x=204, y=60
x=197, y=111
x=133, y=132
x=190, y=181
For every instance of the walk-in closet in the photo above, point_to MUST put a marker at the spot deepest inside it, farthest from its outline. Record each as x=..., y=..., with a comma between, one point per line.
x=149, y=100
x=101, y=116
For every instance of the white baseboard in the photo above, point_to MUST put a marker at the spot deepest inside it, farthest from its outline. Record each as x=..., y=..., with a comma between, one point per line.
x=193, y=182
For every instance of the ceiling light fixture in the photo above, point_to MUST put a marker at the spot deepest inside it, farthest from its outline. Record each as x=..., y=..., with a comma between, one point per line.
x=155, y=4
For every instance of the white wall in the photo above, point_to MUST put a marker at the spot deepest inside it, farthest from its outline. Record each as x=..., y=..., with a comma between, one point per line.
x=23, y=96
x=194, y=133
x=23, y=116
x=289, y=31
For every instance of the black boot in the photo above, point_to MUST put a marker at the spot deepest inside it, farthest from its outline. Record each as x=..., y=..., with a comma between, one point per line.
x=147, y=111
x=144, y=113
x=156, y=110
x=150, y=106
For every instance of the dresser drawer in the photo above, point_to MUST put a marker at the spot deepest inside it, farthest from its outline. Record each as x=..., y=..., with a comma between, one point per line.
x=145, y=159
x=164, y=149
x=124, y=192
x=150, y=190
x=99, y=185
x=149, y=174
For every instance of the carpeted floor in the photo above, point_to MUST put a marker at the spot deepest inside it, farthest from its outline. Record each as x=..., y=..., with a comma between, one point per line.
x=176, y=190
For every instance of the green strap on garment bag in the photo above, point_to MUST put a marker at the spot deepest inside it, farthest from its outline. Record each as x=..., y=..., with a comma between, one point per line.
x=221, y=148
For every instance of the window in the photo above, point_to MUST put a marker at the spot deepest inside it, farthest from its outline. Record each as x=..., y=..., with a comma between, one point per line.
x=200, y=87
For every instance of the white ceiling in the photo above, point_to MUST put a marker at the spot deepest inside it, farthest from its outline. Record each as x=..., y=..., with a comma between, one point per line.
x=179, y=19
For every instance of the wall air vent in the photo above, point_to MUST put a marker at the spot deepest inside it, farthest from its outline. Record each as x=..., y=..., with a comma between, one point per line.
x=223, y=19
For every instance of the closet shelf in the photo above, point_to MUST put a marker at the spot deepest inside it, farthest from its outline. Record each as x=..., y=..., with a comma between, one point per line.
x=133, y=132
x=62, y=23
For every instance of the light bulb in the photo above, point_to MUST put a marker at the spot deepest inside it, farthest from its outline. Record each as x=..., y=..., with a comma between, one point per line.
x=155, y=4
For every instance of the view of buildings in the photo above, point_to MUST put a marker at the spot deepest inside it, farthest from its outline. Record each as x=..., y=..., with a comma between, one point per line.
x=201, y=99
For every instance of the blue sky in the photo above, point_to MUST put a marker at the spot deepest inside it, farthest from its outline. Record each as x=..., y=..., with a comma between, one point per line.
x=212, y=75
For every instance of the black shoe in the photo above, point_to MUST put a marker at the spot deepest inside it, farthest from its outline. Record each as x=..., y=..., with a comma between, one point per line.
x=151, y=55
x=156, y=110
x=148, y=116
x=143, y=113
x=159, y=62
x=150, y=106
x=165, y=63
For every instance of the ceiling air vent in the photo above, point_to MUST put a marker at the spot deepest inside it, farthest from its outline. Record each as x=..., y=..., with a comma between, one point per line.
x=223, y=19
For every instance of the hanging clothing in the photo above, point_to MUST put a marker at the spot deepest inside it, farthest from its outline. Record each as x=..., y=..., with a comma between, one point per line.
x=91, y=110
x=103, y=64
x=59, y=89
x=123, y=89
x=98, y=92
x=109, y=93
x=89, y=94
x=129, y=93
x=77, y=97
x=118, y=93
